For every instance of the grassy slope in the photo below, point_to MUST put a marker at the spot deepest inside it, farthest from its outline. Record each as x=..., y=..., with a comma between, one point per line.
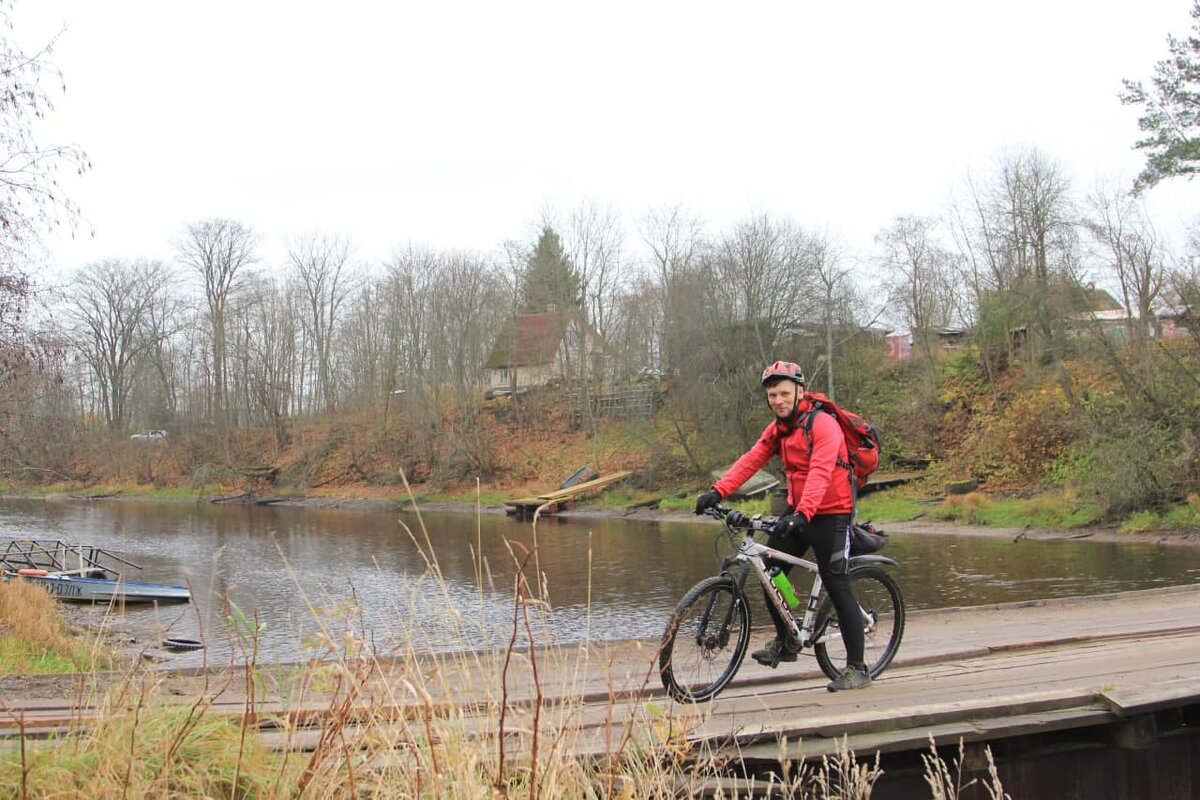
x=36, y=640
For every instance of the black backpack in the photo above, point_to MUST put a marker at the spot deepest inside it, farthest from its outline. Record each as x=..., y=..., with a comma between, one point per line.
x=866, y=538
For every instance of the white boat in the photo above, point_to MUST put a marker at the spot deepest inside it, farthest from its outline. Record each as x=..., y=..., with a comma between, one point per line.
x=97, y=579
x=84, y=589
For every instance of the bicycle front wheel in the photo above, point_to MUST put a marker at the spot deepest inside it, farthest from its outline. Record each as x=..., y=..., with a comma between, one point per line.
x=879, y=597
x=705, y=640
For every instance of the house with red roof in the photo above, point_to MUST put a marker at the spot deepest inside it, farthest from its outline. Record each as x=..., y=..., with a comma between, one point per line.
x=541, y=349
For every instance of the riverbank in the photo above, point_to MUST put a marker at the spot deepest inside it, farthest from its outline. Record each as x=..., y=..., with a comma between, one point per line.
x=1189, y=537
x=922, y=526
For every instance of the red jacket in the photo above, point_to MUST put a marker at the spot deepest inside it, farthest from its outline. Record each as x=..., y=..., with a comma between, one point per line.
x=816, y=484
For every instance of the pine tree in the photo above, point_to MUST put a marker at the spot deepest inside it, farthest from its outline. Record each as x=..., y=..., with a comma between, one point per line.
x=550, y=279
x=1171, y=110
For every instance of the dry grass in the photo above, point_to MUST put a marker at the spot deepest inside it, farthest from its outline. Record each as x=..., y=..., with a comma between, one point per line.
x=35, y=639
x=947, y=781
x=28, y=612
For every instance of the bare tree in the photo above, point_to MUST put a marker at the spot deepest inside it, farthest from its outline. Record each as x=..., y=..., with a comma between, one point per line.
x=1184, y=282
x=410, y=275
x=468, y=310
x=112, y=307
x=167, y=315
x=321, y=263
x=1129, y=249
x=634, y=330
x=1018, y=233
x=409, y=281
x=764, y=268
x=31, y=202
x=921, y=278
x=441, y=313
x=271, y=342
x=834, y=287
x=31, y=199
x=594, y=243
x=221, y=253
x=676, y=241
x=980, y=267
x=365, y=357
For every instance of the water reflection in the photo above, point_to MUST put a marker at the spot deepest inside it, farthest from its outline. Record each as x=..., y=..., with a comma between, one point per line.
x=309, y=575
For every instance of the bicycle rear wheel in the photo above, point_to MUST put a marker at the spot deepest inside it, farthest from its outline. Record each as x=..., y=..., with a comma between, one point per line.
x=705, y=640
x=879, y=597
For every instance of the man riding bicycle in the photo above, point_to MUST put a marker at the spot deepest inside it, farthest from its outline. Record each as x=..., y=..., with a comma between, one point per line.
x=820, y=502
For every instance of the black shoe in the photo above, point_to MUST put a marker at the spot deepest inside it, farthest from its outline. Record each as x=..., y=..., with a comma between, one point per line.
x=773, y=653
x=851, y=678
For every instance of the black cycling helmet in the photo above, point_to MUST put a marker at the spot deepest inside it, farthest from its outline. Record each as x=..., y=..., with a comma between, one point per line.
x=783, y=369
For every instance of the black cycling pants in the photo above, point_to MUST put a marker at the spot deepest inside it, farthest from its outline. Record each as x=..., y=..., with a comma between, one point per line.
x=828, y=535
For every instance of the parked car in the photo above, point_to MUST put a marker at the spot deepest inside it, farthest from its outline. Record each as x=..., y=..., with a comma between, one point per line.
x=492, y=394
x=149, y=436
x=649, y=374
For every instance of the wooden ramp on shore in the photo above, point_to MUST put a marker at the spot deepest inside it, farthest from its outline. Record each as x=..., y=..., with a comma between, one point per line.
x=561, y=498
x=886, y=480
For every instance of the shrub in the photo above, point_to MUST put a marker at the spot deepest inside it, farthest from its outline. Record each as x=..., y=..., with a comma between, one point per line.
x=1127, y=464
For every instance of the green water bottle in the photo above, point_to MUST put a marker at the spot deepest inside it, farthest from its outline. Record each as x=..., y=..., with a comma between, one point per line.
x=785, y=587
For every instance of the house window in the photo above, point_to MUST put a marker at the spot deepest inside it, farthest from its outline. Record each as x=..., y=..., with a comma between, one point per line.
x=503, y=380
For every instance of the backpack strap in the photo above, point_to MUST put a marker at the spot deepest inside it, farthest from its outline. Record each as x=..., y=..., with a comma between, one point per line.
x=808, y=425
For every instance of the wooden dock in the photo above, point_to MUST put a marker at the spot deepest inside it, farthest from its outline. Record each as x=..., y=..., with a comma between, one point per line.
x=550, y=502
x=886, y=480
x=1119, y=670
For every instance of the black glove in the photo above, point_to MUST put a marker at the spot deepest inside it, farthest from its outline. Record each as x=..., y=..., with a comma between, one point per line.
x=707, y=500
x=789, y=525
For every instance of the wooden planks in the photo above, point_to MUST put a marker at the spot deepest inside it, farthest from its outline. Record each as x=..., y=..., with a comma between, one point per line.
x=1130, y=700
x=975, y=675
x=560, y=496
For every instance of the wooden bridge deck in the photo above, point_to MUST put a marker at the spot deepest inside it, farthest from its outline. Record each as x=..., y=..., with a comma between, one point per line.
x=975, y=674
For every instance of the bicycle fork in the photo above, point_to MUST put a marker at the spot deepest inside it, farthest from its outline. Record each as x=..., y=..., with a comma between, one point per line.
x=704, y=635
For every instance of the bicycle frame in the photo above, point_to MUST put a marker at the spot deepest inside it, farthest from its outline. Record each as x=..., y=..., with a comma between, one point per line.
x=753, y=554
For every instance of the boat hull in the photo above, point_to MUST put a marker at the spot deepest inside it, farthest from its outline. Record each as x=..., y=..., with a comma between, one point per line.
x=79, y=589
x=757, y=484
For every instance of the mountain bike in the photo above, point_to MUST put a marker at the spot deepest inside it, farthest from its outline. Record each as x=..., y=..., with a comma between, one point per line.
x=709, y=632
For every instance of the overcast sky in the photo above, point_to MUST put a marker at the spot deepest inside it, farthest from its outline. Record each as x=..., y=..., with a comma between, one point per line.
x=454, y=124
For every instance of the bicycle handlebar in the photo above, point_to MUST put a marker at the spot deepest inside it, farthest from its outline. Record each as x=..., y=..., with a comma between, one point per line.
x=735, y=519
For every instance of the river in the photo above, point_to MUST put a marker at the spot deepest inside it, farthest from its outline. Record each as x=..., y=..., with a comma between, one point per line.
x=314, y=581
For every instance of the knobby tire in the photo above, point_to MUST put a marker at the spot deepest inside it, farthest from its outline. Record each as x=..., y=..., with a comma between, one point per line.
x=877, y=593
x=705, y=640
